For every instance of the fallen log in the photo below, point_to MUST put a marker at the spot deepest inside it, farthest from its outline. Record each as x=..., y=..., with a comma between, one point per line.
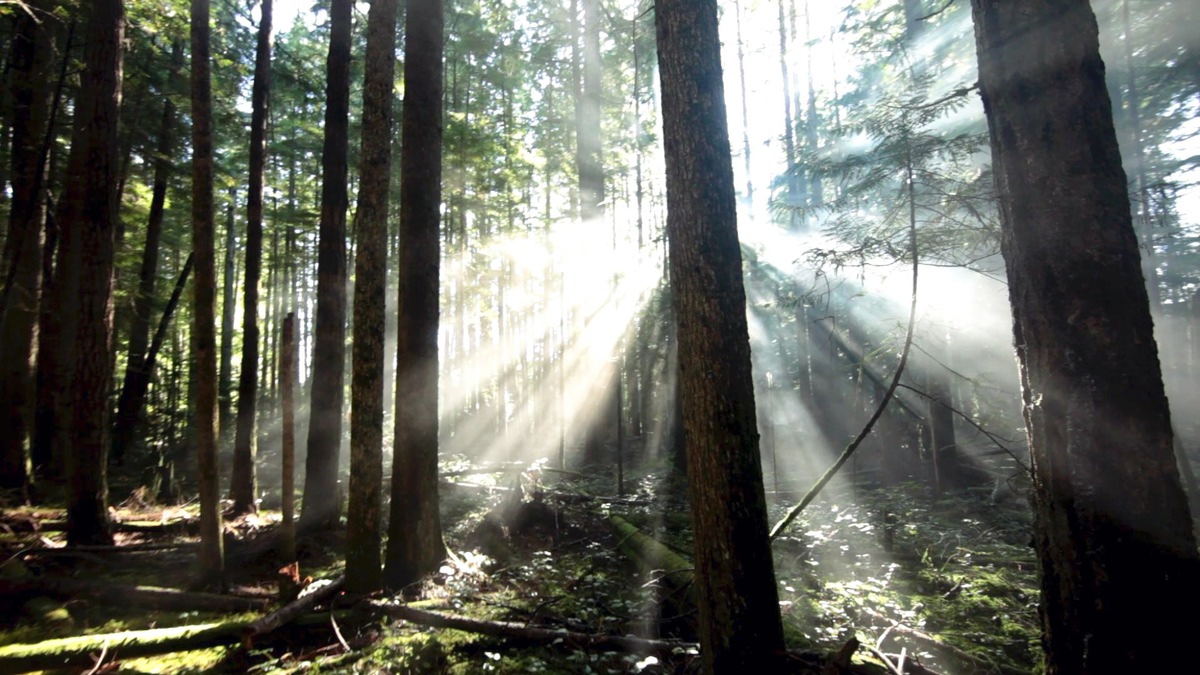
x=310, y=597
x=82, y=650
x=531, y=634
x=78, y=651
x=806, y=662
x=147, y=597
x=567, y=497
x=669, y=570
x=97, y=549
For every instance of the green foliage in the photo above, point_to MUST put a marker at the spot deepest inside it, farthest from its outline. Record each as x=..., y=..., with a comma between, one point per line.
x=955, y=570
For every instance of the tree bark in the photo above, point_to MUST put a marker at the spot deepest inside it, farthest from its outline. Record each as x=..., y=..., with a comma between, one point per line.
x=241, y=480
x=322, y=497
x=204, y=342
x=228, y=292
x=415, y=545
x=740, y=627
x=1114, y=535
x=32, y=49
x=364, y=514
x=88, y=220
x=287, y=386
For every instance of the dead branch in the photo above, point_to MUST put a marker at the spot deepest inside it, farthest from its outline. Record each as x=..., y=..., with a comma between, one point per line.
x=312, y=596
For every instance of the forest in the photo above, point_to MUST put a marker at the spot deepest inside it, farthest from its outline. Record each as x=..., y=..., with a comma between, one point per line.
x=599, y=336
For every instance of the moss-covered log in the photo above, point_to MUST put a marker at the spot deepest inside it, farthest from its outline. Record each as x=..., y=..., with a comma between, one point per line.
x=670, y=571
x=81, y=651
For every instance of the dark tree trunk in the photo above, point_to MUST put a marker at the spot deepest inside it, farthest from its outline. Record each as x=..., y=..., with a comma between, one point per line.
x=1114, y=535
x=133, y=394
x=415, y=545
x=33, y=46
x=204, y=291
x=287, y=393
x=740, y=627
x=88, y=219
x=241, y=481
x=322, y=498
x=228, y=292
x=364, y=512
x=137, y=372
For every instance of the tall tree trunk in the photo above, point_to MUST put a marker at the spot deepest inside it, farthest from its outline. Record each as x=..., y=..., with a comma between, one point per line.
x=740, y=627
x=590, y=166
x=21, y=264
x=287, y=393
x=228, y=293
x=1114, y=536
x=812, y=126
x=322, y=497
x=415, y=545
x=88, y=219
x=204, y=291
x=365, y=509
x=241, y=481
x=49, y=369
x=1143, y=223
x=791, y=196
x=741, y=57
x=136, y=370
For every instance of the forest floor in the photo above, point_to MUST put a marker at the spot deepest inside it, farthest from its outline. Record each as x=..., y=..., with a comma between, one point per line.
x=944, y=586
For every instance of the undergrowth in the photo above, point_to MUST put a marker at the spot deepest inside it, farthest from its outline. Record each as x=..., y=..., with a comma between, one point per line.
x=951, y=582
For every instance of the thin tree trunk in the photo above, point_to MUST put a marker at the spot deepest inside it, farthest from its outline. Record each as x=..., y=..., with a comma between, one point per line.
x=228, y=293
x=741, y=57
x=136, y=371
x=1144, y=221
x=241, y=481
x=49, y=369
x=287, y=386
x=204, y=341
x=33, y=48
x=789, y=133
